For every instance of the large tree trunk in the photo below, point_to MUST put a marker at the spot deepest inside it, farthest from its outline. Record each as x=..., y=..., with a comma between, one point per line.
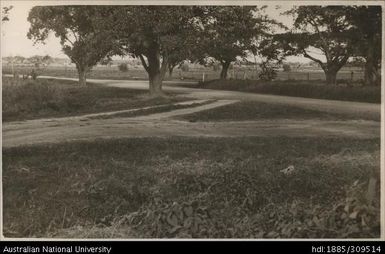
x=369, y=66
x=156, y=70
x=225, y=68
x=170, y=70
x=156, y=81
x=331, y=73
x=331, y=67
x=371, y=76
x=331, y=77
x=82, y=77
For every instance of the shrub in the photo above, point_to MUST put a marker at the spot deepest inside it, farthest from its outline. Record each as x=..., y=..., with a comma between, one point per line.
x=184, y=67
x=216, y=67
x=33, y=74
x=268, y=72
x=123, y=67
x=286, y=68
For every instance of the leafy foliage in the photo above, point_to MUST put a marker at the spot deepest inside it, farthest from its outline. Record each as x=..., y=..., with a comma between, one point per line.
x=325, y=28
x=5, y=13
x=78, y=29
x=268, y=71
x=153, y=35
x=231, y=32
x=367, y=22
x=193, y=187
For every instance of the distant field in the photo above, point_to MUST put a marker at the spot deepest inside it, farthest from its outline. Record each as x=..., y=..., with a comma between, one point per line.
x=105, y=72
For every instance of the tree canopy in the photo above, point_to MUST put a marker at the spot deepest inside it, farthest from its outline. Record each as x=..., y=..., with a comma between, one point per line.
x=321, y=28
x=151, y=34
x=164, y=36
x=78, y=29
x=367, y=23
x=231, y=32
x=5, y=13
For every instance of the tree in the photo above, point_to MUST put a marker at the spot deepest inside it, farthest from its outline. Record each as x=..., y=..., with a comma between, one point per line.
x=36, y=60
x=47, y=60
x=230, y=32
x=18, y=59
x=323, y=28
x=367, y=22
x=78, y=29
x=5, y=13
x=177, y=58
x=151, y=34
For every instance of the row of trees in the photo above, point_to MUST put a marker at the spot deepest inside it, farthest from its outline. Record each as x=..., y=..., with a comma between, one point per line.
x=164, y=36
x=36, y=60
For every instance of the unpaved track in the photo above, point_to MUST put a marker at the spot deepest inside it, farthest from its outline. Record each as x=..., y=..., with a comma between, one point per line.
x=345, y=107
x=131, y=127
x=55, y=130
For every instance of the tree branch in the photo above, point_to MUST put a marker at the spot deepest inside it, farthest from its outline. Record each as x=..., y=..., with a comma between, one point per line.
x=305, y=54
x=164, y=65
x=66, y=39
x=343, y=61
x=144, y=62
x=324, y=42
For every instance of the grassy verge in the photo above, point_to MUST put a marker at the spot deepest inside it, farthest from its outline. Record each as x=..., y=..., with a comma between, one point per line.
x=28, y=99
x=152, y=110
x=192, y=187
x=250, y=110
x=307, y=89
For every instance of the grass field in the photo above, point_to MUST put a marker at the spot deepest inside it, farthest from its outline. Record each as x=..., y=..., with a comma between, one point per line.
x=250, y=110
x=297, y=88
x=28, y=99
x=192, y=187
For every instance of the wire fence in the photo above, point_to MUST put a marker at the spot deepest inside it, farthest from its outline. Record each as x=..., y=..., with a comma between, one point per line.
x=199, y=74
x=254, y=75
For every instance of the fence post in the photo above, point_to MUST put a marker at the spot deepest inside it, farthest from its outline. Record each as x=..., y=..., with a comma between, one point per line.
x=203, y=77
x=308, y=76
x=351, y=76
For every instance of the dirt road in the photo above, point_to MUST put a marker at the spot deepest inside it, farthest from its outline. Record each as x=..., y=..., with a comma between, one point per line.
x=345, y=107
x=162, y=124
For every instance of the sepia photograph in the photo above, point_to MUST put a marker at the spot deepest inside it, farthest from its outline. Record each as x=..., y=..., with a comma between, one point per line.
x=192, y=120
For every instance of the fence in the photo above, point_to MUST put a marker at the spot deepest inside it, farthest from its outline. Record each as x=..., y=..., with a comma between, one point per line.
x=253, y=75
x=193, y=74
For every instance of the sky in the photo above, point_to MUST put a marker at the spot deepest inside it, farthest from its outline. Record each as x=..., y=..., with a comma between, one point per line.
x=14, y=39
